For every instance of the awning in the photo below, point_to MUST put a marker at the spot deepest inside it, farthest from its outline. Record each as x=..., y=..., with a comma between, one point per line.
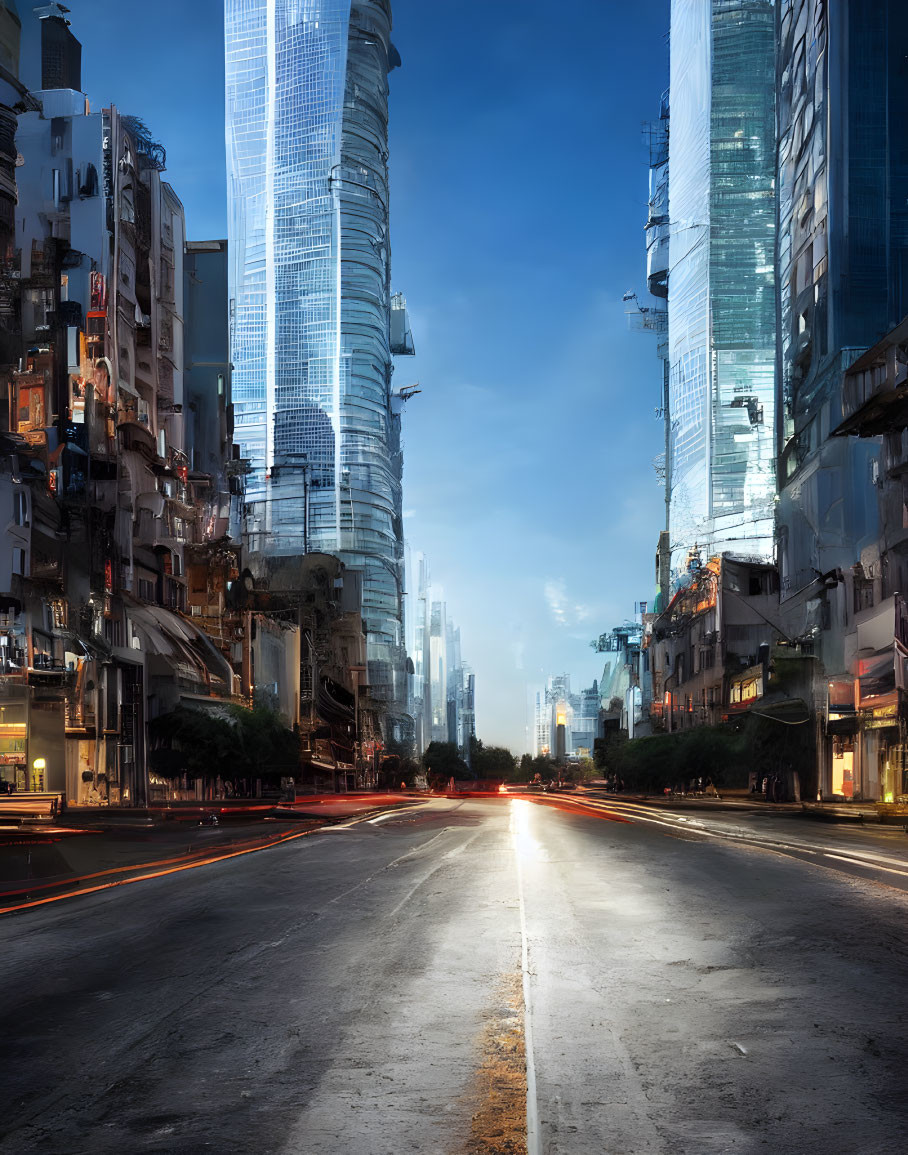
x=335, y=704
x=794, y=711
x=184, y=648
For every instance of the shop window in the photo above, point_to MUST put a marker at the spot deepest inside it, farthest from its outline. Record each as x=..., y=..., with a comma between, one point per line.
x=843, y=766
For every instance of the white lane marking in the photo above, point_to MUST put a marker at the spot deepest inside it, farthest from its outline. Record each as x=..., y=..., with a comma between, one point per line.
x=533, y=1147
x=866, y=865
x=355, y=822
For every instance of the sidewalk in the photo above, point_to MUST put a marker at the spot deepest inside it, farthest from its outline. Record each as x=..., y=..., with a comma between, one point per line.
x=87, y=849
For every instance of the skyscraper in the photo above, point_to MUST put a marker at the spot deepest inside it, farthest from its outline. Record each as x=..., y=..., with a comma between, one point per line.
x=313, y=323
x=721, y=306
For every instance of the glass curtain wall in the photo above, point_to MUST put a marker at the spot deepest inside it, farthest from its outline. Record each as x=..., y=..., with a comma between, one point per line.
x=688, y=281
x=307, y=132
x=721, y=282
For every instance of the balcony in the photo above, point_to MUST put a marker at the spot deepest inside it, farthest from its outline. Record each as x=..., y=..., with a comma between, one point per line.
x=135, y=430
x=13, y=661
x=78, y=718
x=401, y=336
x=48, y=670
x=657, y=258
x=875, y=388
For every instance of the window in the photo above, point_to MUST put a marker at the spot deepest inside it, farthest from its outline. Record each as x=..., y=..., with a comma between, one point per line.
x=19, y=561
x=20, y=502
x=863, y=594
x=113, y=632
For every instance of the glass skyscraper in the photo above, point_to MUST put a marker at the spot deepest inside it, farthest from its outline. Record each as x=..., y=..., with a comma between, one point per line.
x=721, y=284
x=311, y=307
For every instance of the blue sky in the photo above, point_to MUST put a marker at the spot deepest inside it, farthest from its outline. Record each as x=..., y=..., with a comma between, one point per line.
x=519, y=188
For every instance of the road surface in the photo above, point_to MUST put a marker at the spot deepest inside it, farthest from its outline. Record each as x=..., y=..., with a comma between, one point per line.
x=472, y=977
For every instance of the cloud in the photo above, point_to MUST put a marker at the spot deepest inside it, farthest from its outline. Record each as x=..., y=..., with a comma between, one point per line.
x=408, y=513
x=563, y=610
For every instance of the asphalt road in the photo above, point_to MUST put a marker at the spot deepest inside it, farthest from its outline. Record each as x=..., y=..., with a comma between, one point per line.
x=371, y=989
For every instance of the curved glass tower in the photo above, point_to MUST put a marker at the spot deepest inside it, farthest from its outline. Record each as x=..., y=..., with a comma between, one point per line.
x=307, y=150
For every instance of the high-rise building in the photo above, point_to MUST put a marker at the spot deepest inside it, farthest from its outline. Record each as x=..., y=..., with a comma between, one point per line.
x=438, y=673
x=313, y=321
x=721, y=306
x=843, y=260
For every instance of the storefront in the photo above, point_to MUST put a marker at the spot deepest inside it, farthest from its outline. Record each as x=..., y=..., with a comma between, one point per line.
x=879, y=733
x=13, y=751
x=841, y=735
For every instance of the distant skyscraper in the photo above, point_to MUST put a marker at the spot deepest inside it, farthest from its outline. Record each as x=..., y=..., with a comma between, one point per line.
x=721, y=306
x=438, y=676
x=541, y=739
x=313, y=323
x=442, y=685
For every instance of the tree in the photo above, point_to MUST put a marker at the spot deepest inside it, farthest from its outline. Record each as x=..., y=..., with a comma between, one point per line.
x=443, y=762
x=266, y=747
x=649, y=765
x=541, y=765
x=491, y=762
x=234, y=743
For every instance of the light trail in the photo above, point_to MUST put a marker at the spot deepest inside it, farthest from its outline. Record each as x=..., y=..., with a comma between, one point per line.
x=154, y=874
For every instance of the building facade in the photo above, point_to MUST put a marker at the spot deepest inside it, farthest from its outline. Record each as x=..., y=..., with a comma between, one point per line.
x=721, y=301
x=843, y=253
x=313, y=325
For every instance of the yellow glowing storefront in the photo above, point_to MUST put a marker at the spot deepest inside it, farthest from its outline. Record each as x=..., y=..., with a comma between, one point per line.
x=13, y=754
